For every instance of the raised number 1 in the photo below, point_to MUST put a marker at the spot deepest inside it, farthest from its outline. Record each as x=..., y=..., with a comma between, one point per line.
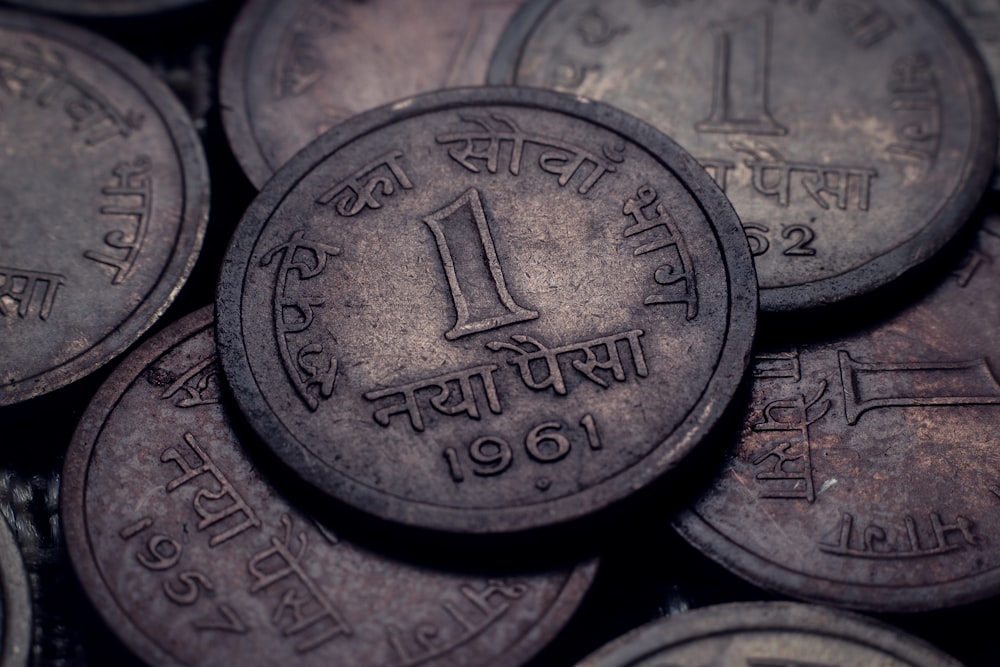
x=484, y=303
x=741, y=78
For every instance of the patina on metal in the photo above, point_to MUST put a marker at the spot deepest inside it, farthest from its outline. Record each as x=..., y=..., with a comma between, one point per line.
x=294, y=68
x=105, y=201
x=486, y=310
x=194, y=558
x=867, y=471
x=15, y=603
x=854, y=138
x=768, y=634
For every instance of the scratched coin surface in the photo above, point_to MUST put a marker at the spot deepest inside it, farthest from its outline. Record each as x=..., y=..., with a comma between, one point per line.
x=486, y=310
x=193, y=558
x=105, y=193
x=294, y=68
x=867, y=472
x=853, y=137
x=15, y=603
x=768, y=634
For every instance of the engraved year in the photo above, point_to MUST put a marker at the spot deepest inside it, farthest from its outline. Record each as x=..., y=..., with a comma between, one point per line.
x=547, y=442
x=792, y=240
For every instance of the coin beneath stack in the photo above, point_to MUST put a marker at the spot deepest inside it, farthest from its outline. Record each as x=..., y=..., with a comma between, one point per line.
x=486, y=310
x=193, y=557
x=853, y=138
x=768, y=634
x=15, y=603
x=294, y=68
x=867, y=472
x=105, y=193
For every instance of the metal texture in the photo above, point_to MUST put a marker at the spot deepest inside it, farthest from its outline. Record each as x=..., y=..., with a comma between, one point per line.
x=15, y=603
x=293, y=69
x=194, y=558
x=853, y=138
x=105, y=193
x=867, y=472
x=486, y=310
x=768, y=635
x=105, y=8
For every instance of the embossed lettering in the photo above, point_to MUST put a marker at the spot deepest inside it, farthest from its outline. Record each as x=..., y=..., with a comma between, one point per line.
x=876, y=542
x=28, y=292
x=199, y=385
x=917, y=109
x=864, y=22
x=132, y=193
x=357, y=192
x=482, y=309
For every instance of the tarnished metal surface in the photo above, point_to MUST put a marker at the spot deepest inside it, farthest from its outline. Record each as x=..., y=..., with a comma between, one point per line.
x=486, y=310
x=105, y=202
x=768, y=635
x=854, y=138
x=195, y=559
x=295, y=68
x=866, y=472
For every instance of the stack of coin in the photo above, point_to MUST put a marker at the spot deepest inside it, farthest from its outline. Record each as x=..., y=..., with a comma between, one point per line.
x=447, y=365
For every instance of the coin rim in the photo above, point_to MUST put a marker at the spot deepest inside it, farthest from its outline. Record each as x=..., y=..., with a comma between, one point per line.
x=194, y=205
x=648, y=640
x=733, y=356
x=104, y=8
x=17, y=612
x=951, y=216
x=73, y=490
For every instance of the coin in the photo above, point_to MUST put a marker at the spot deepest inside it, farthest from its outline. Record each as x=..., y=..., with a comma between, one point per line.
x=768, y=634
x=105, y=193
x=193, y=557
x=486, y=310
x=854, y=138
x=105, y=8
x=292, y=69
x=15, y=603
x=866, y=473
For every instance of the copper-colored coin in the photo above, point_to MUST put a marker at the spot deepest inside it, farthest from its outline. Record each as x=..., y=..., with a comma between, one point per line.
x=486, y=310
x=105, y=8
x=294, y=68
x=867, y=472
x=105, y=201
x=15, y=603
x=854, y=138
x=193, y=558
x=765, y=634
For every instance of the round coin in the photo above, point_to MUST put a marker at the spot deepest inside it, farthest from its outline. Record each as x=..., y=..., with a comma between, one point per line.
x=15, y=603
x=867, y=471
x=193, y=558
x=853, y=138
x=294, y=68
x=768, y=634
x=105, y=193
x=486, y=310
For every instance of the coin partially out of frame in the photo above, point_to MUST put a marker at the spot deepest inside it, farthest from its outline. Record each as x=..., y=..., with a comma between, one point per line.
x=105, y=193
x=294, y=68
x=768, y=634
x=486, y=310
x=194, y=559
x=867, y=473
x=15, y=603
x=854, y=138
x=105, y=8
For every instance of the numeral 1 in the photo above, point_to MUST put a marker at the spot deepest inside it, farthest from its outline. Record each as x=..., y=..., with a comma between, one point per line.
x=484, y=303
x=741, y=78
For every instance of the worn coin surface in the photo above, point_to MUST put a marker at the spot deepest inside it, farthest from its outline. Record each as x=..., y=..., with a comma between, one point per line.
x=294, y=68
x=105, y=8
x=768, y=634
x=853, y=137
x=867, y=472
x=193, y=558
x=486, y=310
x=105, y=194
x=15, y=603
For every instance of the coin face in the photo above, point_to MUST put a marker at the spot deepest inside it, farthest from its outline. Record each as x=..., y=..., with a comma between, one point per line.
x=15, y=603
x=866, y=473
x=294, y=68
x=853, y=137
x=195, y=559
x=486, y=310
x=768, y=634
x=105, y=197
